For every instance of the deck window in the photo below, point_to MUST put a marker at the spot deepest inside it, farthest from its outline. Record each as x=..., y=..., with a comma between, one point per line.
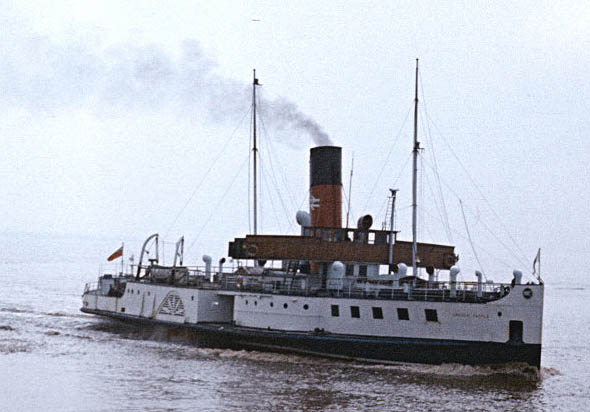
x=355, y=312
x=402, y=314
x=335, y=310
x=431, y=315
x=377, y=313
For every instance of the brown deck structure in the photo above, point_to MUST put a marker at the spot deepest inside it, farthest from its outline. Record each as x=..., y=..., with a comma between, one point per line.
x=345, y=245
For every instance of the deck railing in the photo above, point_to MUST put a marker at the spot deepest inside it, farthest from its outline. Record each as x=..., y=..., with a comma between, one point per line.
x=303, y=285
x=91, y=287
x=369, y=289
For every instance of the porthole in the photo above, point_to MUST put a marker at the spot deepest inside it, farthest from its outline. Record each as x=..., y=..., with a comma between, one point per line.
x=271, y=304
x=192, y=298
x=306, y=306
x=255, y=303
x=527, y=293
x=285, y=306
x=246, y=301
x=499, y=314
x=148, y=293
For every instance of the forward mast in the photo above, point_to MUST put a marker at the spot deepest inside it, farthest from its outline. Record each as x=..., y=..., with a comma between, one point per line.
x=415, y=182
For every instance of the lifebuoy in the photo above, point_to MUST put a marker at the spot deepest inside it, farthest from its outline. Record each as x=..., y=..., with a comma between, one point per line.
x=239, y=282
x=252, y=250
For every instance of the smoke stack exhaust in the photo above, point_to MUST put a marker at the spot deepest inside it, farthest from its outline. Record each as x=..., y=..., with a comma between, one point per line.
x=325, y=202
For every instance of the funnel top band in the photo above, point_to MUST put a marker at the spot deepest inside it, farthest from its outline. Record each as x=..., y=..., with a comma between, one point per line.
x=325, y=165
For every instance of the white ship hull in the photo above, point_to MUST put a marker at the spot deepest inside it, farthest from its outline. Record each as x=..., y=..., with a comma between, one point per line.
x=505, y=330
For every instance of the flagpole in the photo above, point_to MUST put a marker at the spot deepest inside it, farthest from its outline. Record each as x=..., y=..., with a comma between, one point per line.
x=539, y=264
x=122, y=257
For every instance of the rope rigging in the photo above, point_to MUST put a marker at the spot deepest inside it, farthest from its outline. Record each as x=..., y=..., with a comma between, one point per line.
x=442, y=210
x=459, y=234
x=516, y=257
x=470, y=240
x=268, y=149
x=399, y=133
x=488, y=203
x=432, y=151
x=198, y=186
x=394, y=184
x=216, y=207
x=265, y=185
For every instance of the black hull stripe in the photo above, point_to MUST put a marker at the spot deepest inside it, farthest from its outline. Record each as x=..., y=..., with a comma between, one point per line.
x=367, y=349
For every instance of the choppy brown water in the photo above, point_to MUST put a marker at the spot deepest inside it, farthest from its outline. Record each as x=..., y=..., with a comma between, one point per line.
x=54, y=358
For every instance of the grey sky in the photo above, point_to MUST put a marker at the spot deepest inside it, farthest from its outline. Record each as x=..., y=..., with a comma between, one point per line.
x=112, y=113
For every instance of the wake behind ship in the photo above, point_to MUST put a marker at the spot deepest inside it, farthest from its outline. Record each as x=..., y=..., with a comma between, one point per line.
x=321, y=292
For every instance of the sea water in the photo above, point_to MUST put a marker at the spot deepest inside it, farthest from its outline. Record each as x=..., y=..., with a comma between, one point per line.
x=55, y=358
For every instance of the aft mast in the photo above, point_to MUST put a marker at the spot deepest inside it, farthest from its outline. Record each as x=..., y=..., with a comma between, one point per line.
x=254, y=152
x=415, y=181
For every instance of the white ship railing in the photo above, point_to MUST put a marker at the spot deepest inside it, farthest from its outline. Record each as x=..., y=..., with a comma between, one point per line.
x=91, y=288
x=434, y=291
x=304, y=285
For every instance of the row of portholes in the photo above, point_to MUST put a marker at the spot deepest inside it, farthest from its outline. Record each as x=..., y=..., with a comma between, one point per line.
x=272, y=304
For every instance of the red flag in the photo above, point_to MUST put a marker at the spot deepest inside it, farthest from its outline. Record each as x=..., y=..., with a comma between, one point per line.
x=117, y=254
